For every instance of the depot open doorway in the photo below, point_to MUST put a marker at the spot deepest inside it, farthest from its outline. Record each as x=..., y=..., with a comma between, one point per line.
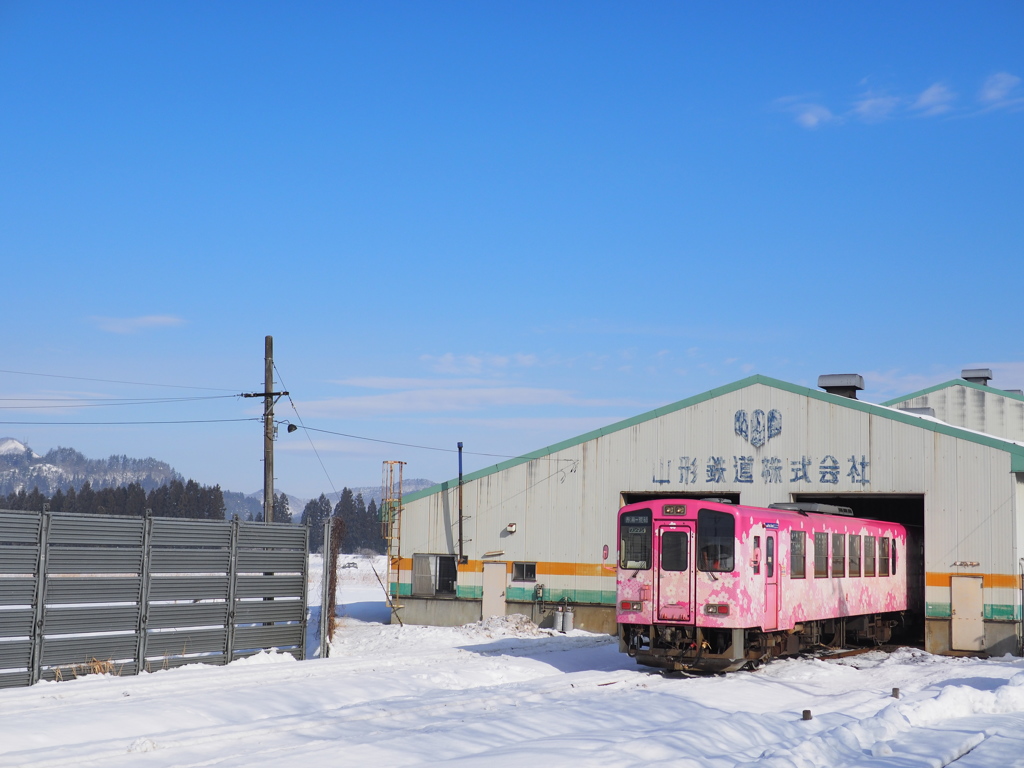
x=908, y=511
x=635, y=497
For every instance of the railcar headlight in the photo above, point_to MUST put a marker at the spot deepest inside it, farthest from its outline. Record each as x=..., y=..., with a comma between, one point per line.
x=717, y=609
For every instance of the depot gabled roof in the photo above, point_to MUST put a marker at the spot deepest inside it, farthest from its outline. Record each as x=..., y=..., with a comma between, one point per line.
x=955, y=383
x=1015, y=450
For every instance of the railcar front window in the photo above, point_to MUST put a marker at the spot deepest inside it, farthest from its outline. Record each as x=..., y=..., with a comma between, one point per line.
x=838, y=555
x=869, y=555
x=821, y=555
x=883, y=556
x=635, y=540
x=797, y=558
x=674, y=553
x=716, y=541
x=854, y=554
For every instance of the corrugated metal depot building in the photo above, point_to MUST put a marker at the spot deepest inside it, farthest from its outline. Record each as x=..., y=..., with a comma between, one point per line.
x=541, y=528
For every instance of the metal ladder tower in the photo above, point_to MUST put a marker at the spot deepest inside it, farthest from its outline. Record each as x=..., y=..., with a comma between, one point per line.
x=391, y=523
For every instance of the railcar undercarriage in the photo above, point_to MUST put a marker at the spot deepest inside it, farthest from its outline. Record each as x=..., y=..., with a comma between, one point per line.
x=688, y=648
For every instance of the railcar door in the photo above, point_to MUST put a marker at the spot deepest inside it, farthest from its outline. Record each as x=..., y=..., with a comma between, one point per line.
x=771, y=582
x=675, y=580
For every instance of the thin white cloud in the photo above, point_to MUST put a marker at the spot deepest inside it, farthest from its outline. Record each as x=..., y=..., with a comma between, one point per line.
x=872, y=108
x=397, y=382
x=936, y=99
x=129, y=325
x=806, y=111
x=452, y=364
x=998, y=87
x=813, y=115
x=447, y=400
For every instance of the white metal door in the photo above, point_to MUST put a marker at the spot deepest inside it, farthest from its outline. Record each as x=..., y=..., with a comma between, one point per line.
x=494, y=590
x=968, y=613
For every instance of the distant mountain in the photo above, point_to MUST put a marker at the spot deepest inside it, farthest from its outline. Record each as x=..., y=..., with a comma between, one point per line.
x=21, y=468
x=296, y=503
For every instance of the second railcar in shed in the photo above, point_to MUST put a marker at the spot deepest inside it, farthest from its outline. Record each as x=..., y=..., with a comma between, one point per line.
x=710, y=586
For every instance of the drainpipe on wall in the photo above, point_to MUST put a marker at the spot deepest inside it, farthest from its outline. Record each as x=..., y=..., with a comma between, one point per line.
x=462, y=556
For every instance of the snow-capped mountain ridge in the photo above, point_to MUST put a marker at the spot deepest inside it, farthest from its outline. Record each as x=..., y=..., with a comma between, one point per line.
x=21, y=468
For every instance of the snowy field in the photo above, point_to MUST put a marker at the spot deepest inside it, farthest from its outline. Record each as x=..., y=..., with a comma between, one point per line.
x=504, y=693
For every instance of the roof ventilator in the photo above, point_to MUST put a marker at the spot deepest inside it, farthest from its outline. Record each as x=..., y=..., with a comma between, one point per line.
x=803, y=507
x=842, y=384
x=977, y=375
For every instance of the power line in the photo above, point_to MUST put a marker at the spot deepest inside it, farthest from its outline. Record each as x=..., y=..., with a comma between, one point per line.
x=71, y=402
x=121, y=423
x=116, y=381
x=311, y=444
x=425, y=447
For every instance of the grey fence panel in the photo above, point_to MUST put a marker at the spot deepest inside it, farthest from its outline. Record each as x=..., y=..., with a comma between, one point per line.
x=190, y=561
x=188, y=588
x=100, y=618
x=17, y=623
x=14, y=679
x=172, y=662
x=93, y=560
x=263, y=561
x=274, y=636
x=269, y=586
x=187, y=615
x=185, y=641
x=19, y=527
x=93, y=589
x=82, y=650
x=253, y=611
x=19, y=559
x=96, y=529
x=88, y=593
x=169, y=532
x=274, y=536
x=17, y=591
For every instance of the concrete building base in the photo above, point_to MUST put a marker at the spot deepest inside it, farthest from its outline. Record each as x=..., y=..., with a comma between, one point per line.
x=454, y=612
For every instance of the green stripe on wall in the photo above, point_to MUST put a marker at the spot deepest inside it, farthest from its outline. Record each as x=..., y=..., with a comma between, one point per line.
x=993, y=611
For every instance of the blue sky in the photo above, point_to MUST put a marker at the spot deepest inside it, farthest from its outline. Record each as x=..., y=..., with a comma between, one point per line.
x=501, y=223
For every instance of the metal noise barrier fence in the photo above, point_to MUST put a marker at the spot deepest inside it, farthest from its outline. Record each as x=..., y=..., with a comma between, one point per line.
x=95, y=593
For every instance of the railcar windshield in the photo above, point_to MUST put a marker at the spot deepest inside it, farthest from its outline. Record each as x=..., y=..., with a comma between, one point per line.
x=716, y=541
x=635, y=530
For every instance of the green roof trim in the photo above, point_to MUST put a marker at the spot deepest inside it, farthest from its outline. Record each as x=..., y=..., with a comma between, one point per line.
x=1016, y=451
x=955, y=383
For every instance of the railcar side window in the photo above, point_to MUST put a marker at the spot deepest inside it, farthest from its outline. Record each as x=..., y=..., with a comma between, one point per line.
x=854, y=554
x=838, y=555
x=797, y=558
x=756, y=562
x=869, y=555
x=769, y=557
x=674, y=551
x=883, y=556
x=716, y=541
x=635, y=540
x=820, y=555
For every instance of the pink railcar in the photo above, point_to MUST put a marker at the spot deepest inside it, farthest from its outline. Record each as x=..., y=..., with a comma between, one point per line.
x=711, y=586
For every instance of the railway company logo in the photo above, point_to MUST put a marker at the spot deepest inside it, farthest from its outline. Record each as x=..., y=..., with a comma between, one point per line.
x=759, y=428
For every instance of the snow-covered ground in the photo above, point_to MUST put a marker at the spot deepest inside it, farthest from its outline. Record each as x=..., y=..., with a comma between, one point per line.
x=504, y=693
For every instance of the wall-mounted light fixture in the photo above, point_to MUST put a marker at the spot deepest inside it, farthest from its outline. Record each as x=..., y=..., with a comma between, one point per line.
x=511, y=527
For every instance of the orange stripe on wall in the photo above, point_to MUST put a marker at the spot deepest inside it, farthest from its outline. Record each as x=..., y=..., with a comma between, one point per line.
x=988, y=580
x=543, y=569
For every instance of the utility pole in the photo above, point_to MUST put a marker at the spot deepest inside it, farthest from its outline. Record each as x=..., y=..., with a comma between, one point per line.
x=269, y=429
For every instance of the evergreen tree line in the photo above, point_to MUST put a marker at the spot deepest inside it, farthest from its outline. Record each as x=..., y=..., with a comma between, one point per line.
x=362, y=524
x=282, y=512
x=175, y=499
